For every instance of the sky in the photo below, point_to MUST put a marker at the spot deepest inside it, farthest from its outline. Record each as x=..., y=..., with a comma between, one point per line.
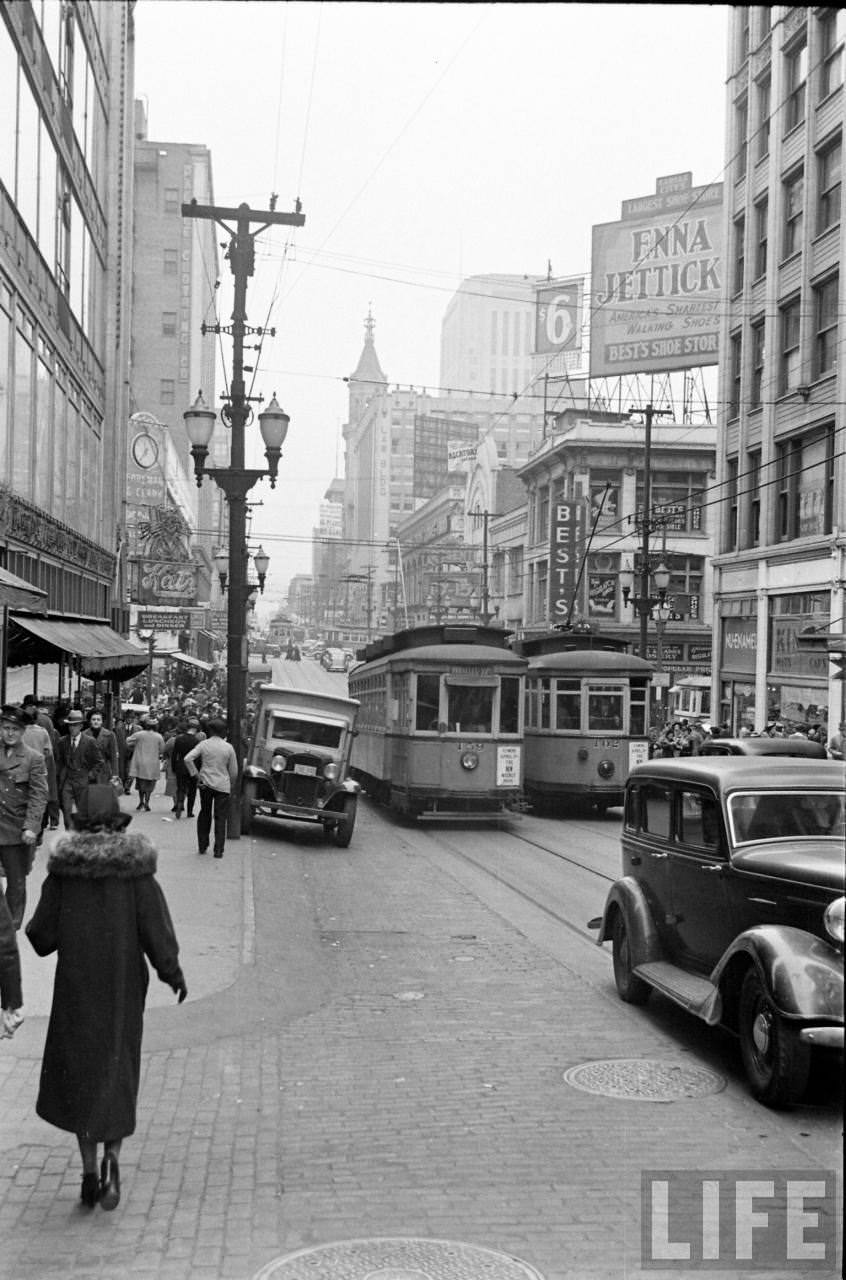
x=427, y=143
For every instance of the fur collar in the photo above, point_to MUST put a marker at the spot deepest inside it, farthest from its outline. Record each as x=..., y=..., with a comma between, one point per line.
x=94, y=854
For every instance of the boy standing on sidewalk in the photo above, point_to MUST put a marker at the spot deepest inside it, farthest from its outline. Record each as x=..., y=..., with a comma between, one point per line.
x=218, y=773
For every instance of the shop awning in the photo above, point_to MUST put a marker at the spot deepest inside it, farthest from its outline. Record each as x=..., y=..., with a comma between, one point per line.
x=192, y=661
x=19, y=594
x=103, y=654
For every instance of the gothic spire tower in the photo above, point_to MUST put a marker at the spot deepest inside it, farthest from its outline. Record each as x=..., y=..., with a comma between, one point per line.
x=368, y=379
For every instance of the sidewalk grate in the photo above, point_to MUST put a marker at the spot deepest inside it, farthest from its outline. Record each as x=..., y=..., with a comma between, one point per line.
x=644, y=1079
x=398, y=1258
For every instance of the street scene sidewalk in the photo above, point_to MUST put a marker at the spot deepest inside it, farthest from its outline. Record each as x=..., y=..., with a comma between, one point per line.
x=368, y=1051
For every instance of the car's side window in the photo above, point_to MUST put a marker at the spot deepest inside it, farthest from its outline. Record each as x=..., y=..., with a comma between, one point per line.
x=656, y=809
x=699, y=819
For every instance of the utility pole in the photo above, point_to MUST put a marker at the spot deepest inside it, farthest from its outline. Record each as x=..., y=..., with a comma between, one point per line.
x=644, y=604
x=236, y=480
x=485, y=517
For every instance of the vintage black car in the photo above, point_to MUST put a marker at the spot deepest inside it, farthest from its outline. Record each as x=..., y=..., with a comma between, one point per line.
x=731, y=904
x=298, y=761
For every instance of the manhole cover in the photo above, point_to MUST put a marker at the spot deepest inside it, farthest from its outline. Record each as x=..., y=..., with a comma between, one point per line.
x=644, y=1079
x=397, y=1258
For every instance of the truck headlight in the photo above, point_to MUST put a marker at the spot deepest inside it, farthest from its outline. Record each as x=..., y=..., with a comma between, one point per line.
x=277, y=764
x=330, y=771
x=833, y=919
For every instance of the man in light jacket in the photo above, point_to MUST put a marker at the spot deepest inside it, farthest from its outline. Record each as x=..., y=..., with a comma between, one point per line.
x=218, y=774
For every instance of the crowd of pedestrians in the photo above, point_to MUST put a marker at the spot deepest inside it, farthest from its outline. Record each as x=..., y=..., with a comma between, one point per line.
x=687, y=737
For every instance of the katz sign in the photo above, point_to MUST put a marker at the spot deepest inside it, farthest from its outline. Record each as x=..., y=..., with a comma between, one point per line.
x=656, y=281
x=167, y=582
x=566, y=547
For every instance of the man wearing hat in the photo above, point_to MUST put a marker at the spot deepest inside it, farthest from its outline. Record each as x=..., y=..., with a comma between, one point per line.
x=23, y=799
x=77, y=765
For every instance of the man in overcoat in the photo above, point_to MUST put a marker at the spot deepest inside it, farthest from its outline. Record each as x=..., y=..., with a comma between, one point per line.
x=23, y=799
x=77, y=763
x=106, y=745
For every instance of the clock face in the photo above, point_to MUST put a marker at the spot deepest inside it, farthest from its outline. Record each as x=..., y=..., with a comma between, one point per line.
x=145, y=450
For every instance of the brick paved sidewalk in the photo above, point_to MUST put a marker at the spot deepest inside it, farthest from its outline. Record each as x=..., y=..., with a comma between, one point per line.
x=389, y=1063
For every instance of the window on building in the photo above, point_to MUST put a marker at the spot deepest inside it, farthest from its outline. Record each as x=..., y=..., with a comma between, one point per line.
x=167, y=391
x=828, y=181
x=741, y=125
x=686, y=575
x=789, y=372
x=796, y=75
x=832, y=28
x=743, y=12
x=794, y=208
x=171, y=200
x=752, y=485
x=762, y=133
x=171, y=262
x=739, y=253
x=735, y=373
x=731, y=500
x=542, y=529
x=805, y=471
x=676, y=499
x=515, y=569
x=758, y=352
x=168, y=324
x=762, y=209
x=825, y=316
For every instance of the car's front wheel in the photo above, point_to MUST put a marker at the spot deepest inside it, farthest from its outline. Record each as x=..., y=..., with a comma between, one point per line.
x=776, y=1061
x=343, y=832
x=630, y=987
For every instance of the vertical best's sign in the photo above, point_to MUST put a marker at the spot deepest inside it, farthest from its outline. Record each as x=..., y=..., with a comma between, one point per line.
x=566, y=544
x=656, y=280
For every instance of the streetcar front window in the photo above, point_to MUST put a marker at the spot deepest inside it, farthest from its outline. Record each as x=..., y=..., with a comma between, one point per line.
x=605, y=709
x=469, y=709
x=509, y=705
x=428, y=698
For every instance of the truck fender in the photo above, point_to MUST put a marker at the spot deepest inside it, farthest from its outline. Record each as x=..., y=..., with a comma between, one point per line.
x=802, y=973
x=627, y=897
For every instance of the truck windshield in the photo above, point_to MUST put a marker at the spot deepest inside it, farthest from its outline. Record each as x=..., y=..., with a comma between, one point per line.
x=314, y=733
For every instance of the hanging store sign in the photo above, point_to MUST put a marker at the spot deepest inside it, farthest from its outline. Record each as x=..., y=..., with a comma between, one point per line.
x=160, y=582
x=566, y=547
x=740, y=645
x=656, y=277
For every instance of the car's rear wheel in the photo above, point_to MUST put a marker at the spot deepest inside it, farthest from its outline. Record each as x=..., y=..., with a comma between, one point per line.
x=344, y=830
x=776, y=1061
x=630, y=987
x=248, y=796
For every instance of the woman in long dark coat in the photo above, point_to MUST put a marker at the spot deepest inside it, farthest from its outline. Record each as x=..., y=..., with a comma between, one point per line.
x=103, y=911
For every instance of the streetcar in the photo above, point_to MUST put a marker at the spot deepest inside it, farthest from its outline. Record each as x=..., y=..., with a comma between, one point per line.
x=690, y=699
x=586, y=719
x=440, y=724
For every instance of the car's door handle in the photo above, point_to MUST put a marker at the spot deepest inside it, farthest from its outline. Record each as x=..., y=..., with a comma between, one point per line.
x=657, y=856
x=714, y=868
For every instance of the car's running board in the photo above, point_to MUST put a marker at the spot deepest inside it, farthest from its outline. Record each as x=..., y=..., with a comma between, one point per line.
x=690, y=990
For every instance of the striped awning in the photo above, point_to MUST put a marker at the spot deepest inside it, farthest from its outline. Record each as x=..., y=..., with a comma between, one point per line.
x=102, y=652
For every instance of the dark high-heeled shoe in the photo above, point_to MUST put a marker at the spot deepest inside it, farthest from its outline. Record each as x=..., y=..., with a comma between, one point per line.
x=90, y=1193
x=109, y=1182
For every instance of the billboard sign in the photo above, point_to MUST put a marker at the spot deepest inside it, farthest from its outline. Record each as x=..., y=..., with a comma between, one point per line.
x=461, y=457
x=656, y=281
x=566, y=545
x=558, y=316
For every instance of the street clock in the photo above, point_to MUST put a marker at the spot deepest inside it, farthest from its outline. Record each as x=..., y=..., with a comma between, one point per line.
x=145, y=450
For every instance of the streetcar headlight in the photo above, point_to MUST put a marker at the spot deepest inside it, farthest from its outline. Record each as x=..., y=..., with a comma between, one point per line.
x=833, y=919
x=469, y=760
x=605, y=769
x=330, y=771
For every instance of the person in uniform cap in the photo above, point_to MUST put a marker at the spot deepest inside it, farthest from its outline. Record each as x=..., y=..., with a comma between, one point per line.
x=104, y=914
x=23, y=799
x=77, y=764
